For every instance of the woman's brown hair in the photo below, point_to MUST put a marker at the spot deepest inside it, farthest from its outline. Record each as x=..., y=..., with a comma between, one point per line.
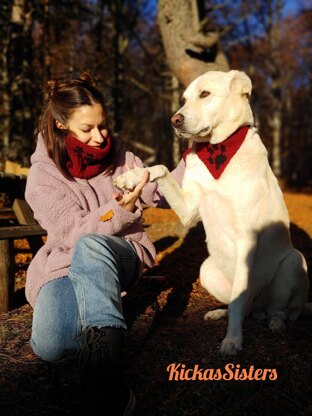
x=62, y=100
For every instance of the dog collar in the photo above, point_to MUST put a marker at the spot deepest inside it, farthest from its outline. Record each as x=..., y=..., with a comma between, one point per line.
x=216, y=157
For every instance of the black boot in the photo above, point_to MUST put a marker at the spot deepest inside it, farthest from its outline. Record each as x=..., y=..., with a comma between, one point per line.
x=103, y=379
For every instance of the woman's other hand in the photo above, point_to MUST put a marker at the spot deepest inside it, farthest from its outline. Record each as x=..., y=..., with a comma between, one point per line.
x=129, y=199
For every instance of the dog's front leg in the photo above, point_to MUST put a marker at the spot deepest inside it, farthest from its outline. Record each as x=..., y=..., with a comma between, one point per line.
x=233, y=342
x=186, y=207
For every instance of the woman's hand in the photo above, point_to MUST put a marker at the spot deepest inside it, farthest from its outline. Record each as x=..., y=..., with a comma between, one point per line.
x=129, y=199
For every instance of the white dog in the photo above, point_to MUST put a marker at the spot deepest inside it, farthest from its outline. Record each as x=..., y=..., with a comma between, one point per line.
x=228, y=184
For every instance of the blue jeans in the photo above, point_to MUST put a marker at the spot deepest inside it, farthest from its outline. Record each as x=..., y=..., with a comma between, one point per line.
x=102, y=267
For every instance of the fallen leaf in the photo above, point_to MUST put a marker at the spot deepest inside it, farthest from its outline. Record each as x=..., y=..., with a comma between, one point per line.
x=106, y=217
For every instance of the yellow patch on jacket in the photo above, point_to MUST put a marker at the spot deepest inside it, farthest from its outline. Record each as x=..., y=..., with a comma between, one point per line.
x=106, y=217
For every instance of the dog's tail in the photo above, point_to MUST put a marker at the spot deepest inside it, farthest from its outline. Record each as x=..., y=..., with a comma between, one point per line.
x=307, y=309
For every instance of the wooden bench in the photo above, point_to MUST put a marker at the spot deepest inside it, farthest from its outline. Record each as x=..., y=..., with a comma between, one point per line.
x=27, y=228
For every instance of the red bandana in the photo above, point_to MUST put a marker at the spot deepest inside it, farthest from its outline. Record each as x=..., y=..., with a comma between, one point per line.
x=86, y=161
x=217, y=156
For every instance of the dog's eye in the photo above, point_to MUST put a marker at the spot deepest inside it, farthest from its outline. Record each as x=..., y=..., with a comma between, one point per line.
x=183, y=99
x=204, y=94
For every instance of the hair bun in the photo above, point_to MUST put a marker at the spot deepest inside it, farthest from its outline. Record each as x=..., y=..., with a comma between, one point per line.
x=52, y=86
x=55, y=85
x=87, y=77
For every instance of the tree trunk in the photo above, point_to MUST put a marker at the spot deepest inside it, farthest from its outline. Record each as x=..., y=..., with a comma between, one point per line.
x=21, y=86
x=276, y=143
x=190, y=50
x=46, y=42
x=276, y=119
x=116, y=10
x=4, y=83
x=176, y=152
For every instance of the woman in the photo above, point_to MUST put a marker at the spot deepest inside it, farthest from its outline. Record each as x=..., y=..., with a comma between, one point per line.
x=96, y=246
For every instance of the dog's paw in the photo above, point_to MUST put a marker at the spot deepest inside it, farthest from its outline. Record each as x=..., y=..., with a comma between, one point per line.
x=157, y=172
x=216, y=314
x=231, y=345
x=129, y=179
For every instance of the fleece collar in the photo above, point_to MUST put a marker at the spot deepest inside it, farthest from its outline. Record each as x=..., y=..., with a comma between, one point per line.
x=86, y=161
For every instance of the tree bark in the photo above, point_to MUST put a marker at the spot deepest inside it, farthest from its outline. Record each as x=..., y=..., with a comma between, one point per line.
x=276, y=118
x=116, y=11
x=20, y=82
x=190, y=50
x=46, y=52
x=176, y=151
x=4, y=83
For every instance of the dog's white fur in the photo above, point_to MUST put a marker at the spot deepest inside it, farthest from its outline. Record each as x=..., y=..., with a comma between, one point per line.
x=252, y=265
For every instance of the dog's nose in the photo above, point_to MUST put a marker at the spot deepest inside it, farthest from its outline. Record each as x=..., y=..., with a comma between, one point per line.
x=177, y=120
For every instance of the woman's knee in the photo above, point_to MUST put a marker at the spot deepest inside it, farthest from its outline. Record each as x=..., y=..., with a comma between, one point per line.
x=92, y=250
x=89, y=241
x=91, y=244
x=46, y=349
x=55, y=320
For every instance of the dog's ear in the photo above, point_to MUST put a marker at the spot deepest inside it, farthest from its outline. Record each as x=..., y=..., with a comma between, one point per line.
x=240, y=83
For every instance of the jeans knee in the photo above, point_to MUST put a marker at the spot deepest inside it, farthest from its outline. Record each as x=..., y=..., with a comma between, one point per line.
x=84, y=242
x=91, y=243
x=91, y=248
x=47, y=349
x=55, y=320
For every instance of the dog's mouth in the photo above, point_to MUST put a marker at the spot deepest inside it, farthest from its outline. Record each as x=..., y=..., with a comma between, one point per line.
x=204, y=132
x=201, y=136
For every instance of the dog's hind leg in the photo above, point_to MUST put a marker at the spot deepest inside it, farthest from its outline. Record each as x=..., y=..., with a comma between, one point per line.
x=288, y=291
x=214, y=281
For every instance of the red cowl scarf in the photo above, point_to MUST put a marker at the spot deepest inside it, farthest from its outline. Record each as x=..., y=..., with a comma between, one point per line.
x=86, y=161
x=216, y=157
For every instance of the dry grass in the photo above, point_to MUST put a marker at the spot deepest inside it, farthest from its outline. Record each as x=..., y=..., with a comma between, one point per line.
x=165, y=320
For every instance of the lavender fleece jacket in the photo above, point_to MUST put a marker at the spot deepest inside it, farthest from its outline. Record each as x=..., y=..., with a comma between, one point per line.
x=70, y=209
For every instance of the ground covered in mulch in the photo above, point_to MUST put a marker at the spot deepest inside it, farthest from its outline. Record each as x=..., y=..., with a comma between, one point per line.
x=166, y=326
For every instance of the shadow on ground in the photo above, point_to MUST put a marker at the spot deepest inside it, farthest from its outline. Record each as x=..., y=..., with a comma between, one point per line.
x=166, y=326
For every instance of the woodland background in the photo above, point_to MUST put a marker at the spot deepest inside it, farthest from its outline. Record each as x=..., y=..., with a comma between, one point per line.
x=144, y=53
